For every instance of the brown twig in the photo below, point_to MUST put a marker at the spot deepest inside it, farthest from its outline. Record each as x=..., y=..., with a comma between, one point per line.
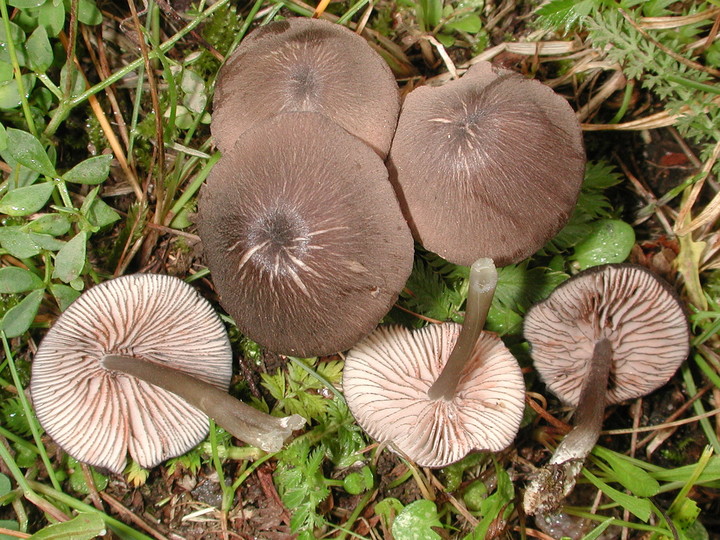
x=711, y=211
x=99, y=58
x=159, y=131
x=16, y=534
x=129, y=515
x=107, y=130
x=545, y=415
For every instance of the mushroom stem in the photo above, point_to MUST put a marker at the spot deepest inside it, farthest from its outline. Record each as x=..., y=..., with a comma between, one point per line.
x=553, y=482
x=589, y=413
x=243, y=421
x=483, y=280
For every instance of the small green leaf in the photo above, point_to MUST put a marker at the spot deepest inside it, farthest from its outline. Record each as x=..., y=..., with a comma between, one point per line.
x=597, y=531
x=19, y=318
x=632, y=478
x=52, y=224
x=88, y=13
x=70, y=260
x=101, y=214
x=428, y=13
x=28, y=151
x=5, y=486
x=495, y=506
x=26, y=200
x=10, y=94
x=83, y=527
x=471, y=24
x=92, y=171
x=640, y=508
x=10, y=525
x=18, y=280
x=474, y=495
x=357, y=482
x=415, y=522
x=686, y=513
x=193, y=85
x=52, y=16
x=6, y=72
x=40, y=53
x=388, y=509
x=17, y=35
x=609, y=241
x=564, y=13
x=77, y=83
x=3, y=138
x=18, y=243
x=47, y=242
x=26, y=3
x=77, y=478
x=64, y=295
x=446, y=39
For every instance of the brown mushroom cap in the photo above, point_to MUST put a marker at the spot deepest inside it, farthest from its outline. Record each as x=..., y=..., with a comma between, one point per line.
x=303, y=235
x=636, y=311
x=386, y=380
x=310, y=65
x=97, y=415
x=489, y=165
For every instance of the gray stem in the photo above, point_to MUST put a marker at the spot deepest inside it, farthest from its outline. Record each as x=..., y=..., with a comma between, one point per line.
x=243, y=421
x=552, y=483
x=589, y=412
x=483, y=280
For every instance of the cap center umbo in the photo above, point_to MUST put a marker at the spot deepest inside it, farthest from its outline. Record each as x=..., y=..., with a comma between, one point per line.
x=278, y=241
x=303, y=87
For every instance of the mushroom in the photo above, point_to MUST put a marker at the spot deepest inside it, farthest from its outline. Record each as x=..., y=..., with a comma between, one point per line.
x=489, y=165
x=610, y=333
x=302, y=64
x=303, y=235
x=126, y=368
x=439, y=392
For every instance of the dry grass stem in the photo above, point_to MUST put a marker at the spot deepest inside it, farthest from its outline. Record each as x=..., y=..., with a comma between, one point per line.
x=711, y=211
x=668, y=23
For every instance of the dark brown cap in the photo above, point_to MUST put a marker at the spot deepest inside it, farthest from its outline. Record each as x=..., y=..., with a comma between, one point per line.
x=386, y=380
x=303, y=235
x=302, y=64
x=97, y=415
x=489, y=165
x=636, y=311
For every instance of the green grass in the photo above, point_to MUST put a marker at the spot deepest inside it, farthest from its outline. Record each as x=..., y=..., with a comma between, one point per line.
x=80, y=206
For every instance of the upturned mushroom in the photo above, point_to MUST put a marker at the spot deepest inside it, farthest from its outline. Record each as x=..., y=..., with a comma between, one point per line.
x=135, y=365
x=312, y=65
x=304, y=236
x=610, y=333
x=440, y=392
x=489, y=165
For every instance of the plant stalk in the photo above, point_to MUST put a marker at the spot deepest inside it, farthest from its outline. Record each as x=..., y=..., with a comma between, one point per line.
x=243, y=421
x=483, y=280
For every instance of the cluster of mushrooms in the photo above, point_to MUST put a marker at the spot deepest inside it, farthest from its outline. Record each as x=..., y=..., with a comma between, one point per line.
x=307, y=223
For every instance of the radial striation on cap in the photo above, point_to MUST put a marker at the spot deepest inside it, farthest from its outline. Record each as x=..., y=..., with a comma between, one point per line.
x=489, y=165
x=303, y=235
x=97, y=415
x=638, y=313
x=302, y=64
x=386, y=380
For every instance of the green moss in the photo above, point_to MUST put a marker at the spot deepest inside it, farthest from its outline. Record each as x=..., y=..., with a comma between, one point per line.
x=220, y=30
